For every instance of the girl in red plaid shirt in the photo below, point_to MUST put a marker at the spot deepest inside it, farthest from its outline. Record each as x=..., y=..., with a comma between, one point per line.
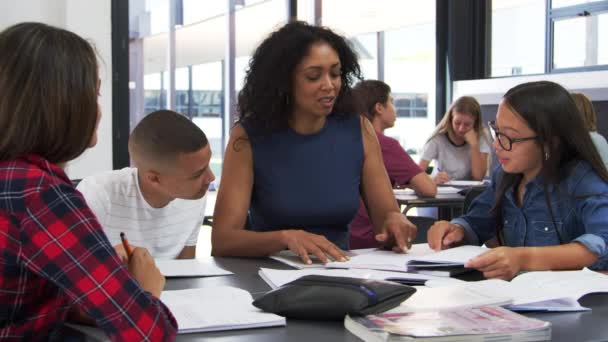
x=55, y=258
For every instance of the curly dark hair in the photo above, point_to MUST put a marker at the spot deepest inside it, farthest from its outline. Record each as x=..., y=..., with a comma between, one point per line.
x=265, y=101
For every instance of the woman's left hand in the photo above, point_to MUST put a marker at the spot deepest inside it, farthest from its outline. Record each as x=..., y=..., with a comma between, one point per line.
x=397, y=233
x=501, y=262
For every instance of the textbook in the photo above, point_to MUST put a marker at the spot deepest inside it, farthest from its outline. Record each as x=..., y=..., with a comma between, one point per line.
x=207, y=309
x=189, y=268
x=485, y=323
x=542, y=290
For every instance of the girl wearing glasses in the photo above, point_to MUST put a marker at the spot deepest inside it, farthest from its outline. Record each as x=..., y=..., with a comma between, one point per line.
x=548, y=202
x=459, y=144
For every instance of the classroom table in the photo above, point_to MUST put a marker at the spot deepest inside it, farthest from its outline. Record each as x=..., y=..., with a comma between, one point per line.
x=566, y=327
x=449, y=205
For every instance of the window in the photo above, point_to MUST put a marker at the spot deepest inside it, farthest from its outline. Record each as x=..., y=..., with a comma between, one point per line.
x=579, y=32
x=200, y=58
x=529, y=38
x=395, y=42
x=518, y=37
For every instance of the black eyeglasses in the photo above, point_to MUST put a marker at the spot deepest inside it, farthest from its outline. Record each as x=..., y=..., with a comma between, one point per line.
x=505, y=141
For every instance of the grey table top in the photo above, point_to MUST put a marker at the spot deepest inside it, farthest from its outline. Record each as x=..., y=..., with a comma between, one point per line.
x=567, y=327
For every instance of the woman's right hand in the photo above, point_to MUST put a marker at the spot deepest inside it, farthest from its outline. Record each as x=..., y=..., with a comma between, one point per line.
x=443, y=235
x=441, y=177
x=144, y=270
x=303, y=243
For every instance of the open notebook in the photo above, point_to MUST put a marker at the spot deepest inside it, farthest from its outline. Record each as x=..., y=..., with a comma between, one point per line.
x=207, y=309
x=541, y=290
x=216, y=308
x=419, y=259
x=189, y=268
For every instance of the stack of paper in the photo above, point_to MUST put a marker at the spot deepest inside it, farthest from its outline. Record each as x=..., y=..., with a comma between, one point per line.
x=420, y=259
x=189, y=268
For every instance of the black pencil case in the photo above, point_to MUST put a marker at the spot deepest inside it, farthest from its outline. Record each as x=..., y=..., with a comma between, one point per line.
x=331, y=298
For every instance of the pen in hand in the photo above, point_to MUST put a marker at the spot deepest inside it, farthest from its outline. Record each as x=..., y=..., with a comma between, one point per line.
x=126, y=246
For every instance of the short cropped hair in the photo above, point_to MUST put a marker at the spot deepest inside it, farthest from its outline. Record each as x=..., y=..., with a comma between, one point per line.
x=369, y=92
x=161, y=136
x=48, y=93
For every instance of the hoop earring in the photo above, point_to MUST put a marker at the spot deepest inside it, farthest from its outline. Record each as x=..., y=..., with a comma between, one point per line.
x=547, y=155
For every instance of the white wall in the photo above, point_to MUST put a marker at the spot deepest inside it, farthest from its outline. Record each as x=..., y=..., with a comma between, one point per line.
x=490, y=91
x=90, y=19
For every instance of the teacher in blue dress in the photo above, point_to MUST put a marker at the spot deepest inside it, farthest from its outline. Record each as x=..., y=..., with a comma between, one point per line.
x=299, y=156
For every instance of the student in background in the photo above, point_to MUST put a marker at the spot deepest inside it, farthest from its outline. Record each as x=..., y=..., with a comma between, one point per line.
x=548, y=202
x=459, y=144
x=585, y=108
x=160, y=202
x=376, y=104
x=300, y=157
x=55, y=257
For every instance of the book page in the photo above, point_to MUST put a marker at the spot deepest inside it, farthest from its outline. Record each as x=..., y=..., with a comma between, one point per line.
x=291, y=259
x=189, y=268
x=457, y=255
x=546, y=285
x=448, y=298
x=379, y=259
x=540, y=286
x=216, y=308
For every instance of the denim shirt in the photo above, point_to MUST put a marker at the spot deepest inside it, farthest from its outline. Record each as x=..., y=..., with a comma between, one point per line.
x=579, y=204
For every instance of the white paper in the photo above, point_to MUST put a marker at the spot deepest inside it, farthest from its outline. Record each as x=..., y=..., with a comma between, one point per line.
x=289, y=258
x=464, y=183
x=189, y=268
x=447, y=190
x=404, y=192
x=378, y=259
x=537, y=287
x=456, y=255
x=390, y=261
x=216, y=308
x=447, y=298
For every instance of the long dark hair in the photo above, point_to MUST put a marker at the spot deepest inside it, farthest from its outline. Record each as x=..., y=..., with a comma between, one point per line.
x=266, y=100
x=550, y=112
x=48, y=92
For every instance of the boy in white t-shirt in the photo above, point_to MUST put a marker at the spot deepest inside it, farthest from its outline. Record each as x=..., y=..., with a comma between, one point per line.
x=159, y=204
